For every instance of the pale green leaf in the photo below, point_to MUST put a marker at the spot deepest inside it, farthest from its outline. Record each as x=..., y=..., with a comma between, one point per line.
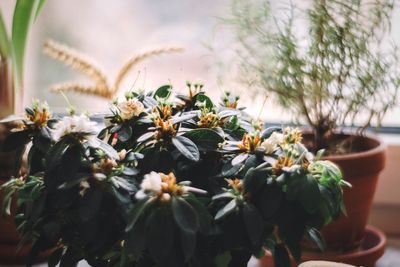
x=24, y=15
x=4, y=39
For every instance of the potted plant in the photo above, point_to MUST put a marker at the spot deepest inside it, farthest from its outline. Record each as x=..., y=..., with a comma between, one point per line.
x=330, y=72
x=12, y=50
x=169, y=181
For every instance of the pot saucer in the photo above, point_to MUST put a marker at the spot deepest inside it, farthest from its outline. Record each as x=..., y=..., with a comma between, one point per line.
x=371, y=249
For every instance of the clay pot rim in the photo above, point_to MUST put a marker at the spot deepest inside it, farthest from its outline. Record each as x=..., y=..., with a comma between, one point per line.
x=380, y=246
x=379, y=148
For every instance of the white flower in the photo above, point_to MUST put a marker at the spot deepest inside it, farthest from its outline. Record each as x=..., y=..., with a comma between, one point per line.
x=163, y=187
x=151, y=183
x=292, y=168
x=75, y=124
x=270, y=144
x=130, y=108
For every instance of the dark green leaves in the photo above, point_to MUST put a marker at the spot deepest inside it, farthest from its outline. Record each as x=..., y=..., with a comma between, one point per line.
x=109, y=150
x=187, y=148
x=253, y=221
x=226, y=210
x=185, y=216
x=90, y=205
x=304, y=188
x=160, y=234
x=315, y=236
x=137, y=210
x=163, y=92
x=183, y=117
x=281, y=256
x=310, y=195
x=204, y=100
x=269, y=131
x=205, y=139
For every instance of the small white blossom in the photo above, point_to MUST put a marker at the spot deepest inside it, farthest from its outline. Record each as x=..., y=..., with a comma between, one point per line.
x=270, y=144
x=130, y=108
x=75, y=124
x=163, y=187
x=292, y=168
x=151, y=184
x=165, y=197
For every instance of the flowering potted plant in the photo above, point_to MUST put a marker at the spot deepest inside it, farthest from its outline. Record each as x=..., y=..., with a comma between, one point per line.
x=170, y=181
x=334, y=71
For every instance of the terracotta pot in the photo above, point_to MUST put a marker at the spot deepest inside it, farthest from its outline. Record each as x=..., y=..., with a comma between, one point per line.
x=9, y=166
x=371, y=249
x=7, y=94
x=324, y=264
x=362, y=170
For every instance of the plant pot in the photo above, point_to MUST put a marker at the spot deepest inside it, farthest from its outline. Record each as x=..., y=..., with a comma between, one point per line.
x=10, y=163
x=324, y=264
x=7, y=94
x=371, y=249
x=361, y=169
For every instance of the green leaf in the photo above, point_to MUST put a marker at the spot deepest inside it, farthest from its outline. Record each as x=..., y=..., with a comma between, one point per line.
x=135, y=241
x=295, y=250
x=160, y=234
x=145, y=137
x=269, y=131
x=135, y=213
x=202, y=98
x=185, y=216
x=315, y=236
x=90, y=204
x=310, y=196
x=239, y=158
x=163, y=92
x=223, y=195
x=228, y=112
x=55, y=257
x=55, y=153
x=109, y=150
x=206, y=139
x=188, y=243
x=226, y=210
x=4, y=39
x=223, y=259
x=39, y=8
x=269, y=200
x=281, y=256
x=253, y=221
x=253, y=180
x=205, y=217
x=183, y=117
x=24, y=15
x=186, y=147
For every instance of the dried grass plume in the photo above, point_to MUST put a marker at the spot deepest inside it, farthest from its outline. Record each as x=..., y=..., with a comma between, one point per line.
x=83, y=64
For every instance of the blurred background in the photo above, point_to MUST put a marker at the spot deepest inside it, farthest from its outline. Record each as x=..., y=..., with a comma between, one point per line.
x=111, y=32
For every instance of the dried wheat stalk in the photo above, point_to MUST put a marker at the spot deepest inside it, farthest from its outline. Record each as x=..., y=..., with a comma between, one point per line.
x=139, y=58
x=83, y=64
